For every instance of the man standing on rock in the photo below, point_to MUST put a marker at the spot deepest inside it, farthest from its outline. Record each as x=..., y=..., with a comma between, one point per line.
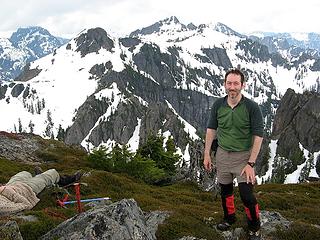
x=237, y=123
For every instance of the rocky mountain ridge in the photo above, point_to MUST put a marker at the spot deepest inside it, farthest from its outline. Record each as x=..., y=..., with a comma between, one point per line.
x=98, y=89
x=300, y=40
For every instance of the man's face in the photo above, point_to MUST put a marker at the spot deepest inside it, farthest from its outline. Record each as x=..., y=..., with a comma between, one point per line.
x=233, y=85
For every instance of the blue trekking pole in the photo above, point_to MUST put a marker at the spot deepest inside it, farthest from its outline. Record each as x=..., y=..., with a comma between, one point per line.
x=88, y=200
x=63, y=202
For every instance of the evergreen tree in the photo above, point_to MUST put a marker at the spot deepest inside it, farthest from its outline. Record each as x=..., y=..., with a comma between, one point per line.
x=43, y=103
x=48, y=131
x=19, y=125
x=61, y=133
x=38, y=107
x=31, y=126
x=151, y=163
x=120, y=157
x=145, y=169
x=100, y=159
x=31, y=108
x=278, y=172
x=154, y=150
x=305, y=171
x=170, y=146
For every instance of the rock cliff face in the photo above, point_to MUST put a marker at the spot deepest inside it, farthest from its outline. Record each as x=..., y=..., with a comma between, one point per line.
x=297, y=127
x=154, y=114
x=93, y=41
x=297, y=120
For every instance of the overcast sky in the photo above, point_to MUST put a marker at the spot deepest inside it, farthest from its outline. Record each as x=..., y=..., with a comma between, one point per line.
x=67, y=18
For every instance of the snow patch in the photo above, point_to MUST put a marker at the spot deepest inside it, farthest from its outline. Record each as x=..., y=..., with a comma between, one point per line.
x=134, y=140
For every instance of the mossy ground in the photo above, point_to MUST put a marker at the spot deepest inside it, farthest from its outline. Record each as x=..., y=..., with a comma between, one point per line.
x=189, y=206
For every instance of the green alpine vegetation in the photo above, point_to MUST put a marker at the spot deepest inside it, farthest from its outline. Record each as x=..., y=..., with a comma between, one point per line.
x=146, y=176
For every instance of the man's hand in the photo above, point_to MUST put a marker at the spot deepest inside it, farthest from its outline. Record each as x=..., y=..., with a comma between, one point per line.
x=207, y=163
x=250, y=174
x=210, y=136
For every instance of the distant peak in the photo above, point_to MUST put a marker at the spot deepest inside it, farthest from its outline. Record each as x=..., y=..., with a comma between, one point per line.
x=168, y=24
x=172, y=19
x=220, y=27
x=32, y=29
x=191, y=26
x=27, y=33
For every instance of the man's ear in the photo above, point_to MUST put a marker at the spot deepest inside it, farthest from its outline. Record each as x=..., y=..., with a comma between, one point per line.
x=243, y=85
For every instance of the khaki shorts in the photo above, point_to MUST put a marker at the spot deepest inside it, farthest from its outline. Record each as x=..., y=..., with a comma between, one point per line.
x=230, y=164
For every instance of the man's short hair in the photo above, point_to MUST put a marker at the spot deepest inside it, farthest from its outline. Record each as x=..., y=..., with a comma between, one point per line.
x=236, y=72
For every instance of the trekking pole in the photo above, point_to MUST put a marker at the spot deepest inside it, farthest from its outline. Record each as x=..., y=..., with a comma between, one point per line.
x=87, y=200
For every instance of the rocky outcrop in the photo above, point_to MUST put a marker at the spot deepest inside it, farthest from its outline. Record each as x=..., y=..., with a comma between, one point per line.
x=17, y=90
x=28, y=74
x=296, y=127
x=130, y=42
x=297, y=120
x=121, y=220
x=270, y=223
x=3, y=90
x=218, y=56
x=19, y=147
x=93, y=40
x=254, y=51
x=150, y=60
x=86, y=117
x=10, y=231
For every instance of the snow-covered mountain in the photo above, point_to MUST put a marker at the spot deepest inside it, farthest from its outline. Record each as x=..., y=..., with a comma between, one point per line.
x=302, y=40
x=199, y=42
x=162, y=79
x=25, y=45
x=295, y=47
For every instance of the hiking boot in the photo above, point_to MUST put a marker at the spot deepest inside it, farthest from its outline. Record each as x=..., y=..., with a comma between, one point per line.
x=223, y=226
x=37, y=170
x=68, y=179
x=254, y=235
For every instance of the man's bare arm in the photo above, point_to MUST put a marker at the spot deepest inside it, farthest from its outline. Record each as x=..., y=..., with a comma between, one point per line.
x=257, y=141
x=210, y=136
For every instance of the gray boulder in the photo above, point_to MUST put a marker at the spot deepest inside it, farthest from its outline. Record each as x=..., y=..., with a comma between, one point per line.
x=10, y=231
x=270, y=221
x=19, y=147
x=120, y=220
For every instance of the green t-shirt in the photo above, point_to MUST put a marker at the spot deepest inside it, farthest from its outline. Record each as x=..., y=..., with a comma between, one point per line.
x=236, y=127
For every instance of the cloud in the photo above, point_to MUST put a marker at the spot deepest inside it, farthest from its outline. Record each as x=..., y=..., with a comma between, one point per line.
x=67, y=18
